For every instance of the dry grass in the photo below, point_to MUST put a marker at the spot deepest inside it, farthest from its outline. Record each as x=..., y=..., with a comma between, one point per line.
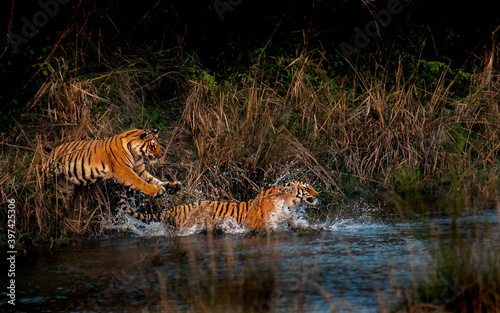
x=373, y=131
x=232, y=138
x=64, y=109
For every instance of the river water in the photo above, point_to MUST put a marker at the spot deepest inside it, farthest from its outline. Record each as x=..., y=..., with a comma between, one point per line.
x=356, y=264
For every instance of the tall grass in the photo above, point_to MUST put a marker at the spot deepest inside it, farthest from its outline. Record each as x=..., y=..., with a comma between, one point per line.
x=228, y=138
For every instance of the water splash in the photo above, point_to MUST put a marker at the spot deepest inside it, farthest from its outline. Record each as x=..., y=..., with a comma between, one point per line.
x=354, y=217
x=279, y=218
x=230, y=226
x=191, y=230
x=127, y=224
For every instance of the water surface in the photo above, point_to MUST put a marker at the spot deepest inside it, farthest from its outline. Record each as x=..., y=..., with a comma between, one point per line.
x=349, y=264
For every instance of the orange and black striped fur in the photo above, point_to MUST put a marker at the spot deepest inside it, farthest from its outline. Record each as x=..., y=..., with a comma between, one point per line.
x=79, y=163
x=255, y=213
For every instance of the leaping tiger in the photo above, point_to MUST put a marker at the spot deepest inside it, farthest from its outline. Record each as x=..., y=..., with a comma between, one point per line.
x=121, y=157
x=256, y=213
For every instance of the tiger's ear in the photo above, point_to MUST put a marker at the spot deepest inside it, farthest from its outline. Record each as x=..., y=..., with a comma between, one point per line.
x=146, y=136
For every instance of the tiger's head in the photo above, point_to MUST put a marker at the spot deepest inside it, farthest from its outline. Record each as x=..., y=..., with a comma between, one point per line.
x=150, y=147
x=299, y=193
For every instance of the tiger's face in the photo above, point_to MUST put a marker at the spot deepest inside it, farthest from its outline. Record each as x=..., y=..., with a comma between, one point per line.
x=150, y=146
x=300, y=194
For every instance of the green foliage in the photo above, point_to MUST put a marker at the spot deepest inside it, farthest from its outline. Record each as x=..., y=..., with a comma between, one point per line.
x=408, y=181
x=196, y=72
x=457, y=77
x=358, y=188
x=152, y=116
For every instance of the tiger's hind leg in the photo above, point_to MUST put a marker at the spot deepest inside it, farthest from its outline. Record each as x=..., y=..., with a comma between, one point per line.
x=65, y=186
x=134, y=207
x=126, y=200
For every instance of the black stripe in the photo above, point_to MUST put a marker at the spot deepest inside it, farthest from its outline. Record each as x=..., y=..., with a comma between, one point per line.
x=142, y=147
x=61, y=152
x=106, y=145
x=72, y=165
x=232, y=212
x=126, y=155
x=224, y=209
x=130, y=133
x=83, y=166
x=89, y=152
x=114, y=156
x=91, y=167
x=115, y=140
x=215, y=207
x=242, y=208
x=68, y=164
x=211, y=206
x=67, y=148
x=80, y=165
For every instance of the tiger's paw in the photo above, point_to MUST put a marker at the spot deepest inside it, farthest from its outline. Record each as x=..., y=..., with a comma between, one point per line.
x=157, y=191
x=171, y=187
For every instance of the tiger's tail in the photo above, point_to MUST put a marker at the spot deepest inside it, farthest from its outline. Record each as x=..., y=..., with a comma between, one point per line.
x=124, y=204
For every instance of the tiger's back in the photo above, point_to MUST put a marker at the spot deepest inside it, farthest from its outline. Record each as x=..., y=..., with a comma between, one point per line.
x=82, y=162
x=204, y=213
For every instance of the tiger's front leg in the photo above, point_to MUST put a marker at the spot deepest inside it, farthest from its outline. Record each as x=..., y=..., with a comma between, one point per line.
x=129, y=178
x=171, y=187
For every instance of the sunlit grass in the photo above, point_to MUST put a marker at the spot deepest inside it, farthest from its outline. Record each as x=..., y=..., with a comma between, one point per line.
x=229, y=139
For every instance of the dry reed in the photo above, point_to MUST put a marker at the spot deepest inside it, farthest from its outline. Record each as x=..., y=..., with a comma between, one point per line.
x=232, y=138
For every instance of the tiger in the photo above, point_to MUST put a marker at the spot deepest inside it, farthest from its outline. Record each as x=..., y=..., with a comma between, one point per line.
x=121, y=157
x=255, y=213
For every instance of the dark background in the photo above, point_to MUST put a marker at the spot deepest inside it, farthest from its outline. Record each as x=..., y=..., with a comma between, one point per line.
x=100, y=35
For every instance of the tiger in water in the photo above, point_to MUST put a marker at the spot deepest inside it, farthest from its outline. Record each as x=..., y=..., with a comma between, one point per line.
x=121, y=157
x=256, y=213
